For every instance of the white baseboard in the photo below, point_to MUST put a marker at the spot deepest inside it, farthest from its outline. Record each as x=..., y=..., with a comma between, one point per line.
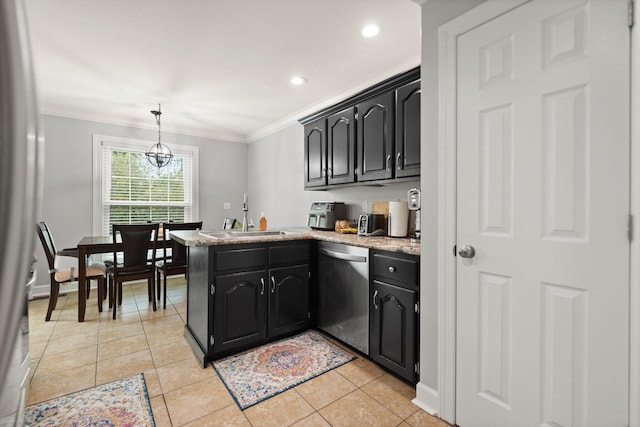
x=427, y=399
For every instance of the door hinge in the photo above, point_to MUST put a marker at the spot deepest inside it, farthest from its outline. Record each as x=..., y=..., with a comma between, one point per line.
x=630, y=13
x=630, y=228
x=213, y=288
x=309, y=275
x=417, y=307
x=212, y=340
x=416, y=368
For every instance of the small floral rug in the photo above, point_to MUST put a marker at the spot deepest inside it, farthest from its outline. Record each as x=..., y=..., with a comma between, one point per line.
x=266, y=371
x=119, y=403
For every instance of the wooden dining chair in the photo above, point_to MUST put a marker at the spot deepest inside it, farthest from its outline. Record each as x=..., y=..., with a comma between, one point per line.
x=63, y=269
x=174, y=255
x=138, y=240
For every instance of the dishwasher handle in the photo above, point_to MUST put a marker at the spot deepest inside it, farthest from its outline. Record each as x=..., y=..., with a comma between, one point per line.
x=342, y=255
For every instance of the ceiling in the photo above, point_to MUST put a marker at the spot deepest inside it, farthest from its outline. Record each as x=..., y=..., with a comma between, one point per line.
x=220, y=68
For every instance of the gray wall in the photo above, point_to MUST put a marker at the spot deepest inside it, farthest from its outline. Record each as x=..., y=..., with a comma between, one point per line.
x=434, y=14
x=276, y=182
x=68, y=173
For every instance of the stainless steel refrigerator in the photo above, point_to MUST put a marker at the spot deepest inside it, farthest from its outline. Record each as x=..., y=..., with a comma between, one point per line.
x=21, y=150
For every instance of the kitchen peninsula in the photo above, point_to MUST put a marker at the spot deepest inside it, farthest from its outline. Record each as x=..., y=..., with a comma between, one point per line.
x=247, y=289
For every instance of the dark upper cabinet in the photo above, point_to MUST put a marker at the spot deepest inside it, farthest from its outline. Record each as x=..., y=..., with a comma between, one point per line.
x=371, y=136
x=315, y=154
x=341, y=137
x=288, y=300
x=407, y=159
x=392, y=338
x=375, y=137
x=239, y=310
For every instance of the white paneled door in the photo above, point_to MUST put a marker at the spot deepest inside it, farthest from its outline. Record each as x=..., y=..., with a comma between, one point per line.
x=543, y=199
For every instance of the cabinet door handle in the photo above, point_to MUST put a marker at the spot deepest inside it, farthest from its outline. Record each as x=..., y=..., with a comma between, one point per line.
x=392, y=269
x=323, y=174
x=375, y=295
x=398, y=161
x=262, y=287
x=389, y=162
x=273, y=285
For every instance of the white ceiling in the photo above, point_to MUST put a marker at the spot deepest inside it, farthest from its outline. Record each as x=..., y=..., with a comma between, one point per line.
x=220, y=68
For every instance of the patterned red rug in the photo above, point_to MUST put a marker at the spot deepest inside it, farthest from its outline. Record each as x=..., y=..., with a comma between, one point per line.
x=118, y=403
x=266, y=371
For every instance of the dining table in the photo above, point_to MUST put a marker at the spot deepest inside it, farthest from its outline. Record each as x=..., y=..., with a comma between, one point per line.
x=92, y=245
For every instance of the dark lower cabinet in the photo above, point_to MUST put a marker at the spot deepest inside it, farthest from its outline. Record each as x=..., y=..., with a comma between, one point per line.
x=241, y=296
x=394, y=313
x=288, y=300
x=392, y=341
x=239, y=310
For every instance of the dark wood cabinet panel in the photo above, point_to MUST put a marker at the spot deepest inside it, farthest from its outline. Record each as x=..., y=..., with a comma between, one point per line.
x=341, y=136
x=288, y=300
x=375, y=137
x=408, y=130
x=393, y=336
x=289, y=253
x=396, y=269
x=239, y=310
x=243, y=295
x=246, y=258
x=394, y=312
x=315, y=154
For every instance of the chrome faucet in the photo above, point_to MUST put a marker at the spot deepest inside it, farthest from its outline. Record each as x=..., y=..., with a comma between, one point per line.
x=245, y=209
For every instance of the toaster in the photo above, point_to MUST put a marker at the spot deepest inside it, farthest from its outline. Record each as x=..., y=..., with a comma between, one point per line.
x=372, y=224
x=323, y=215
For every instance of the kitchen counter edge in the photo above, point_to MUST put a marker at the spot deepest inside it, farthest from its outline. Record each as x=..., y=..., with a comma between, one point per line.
x=391, y=244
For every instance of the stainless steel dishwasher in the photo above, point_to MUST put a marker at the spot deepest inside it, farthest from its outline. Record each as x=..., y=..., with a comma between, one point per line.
x=343, y=293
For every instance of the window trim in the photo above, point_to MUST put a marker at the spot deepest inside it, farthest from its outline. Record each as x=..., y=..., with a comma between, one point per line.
x=136, y=144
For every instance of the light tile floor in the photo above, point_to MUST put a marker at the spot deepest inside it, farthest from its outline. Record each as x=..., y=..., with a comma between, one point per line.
x=68, y=356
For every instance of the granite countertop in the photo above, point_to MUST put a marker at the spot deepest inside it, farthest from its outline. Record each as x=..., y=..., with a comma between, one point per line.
x=391, y=244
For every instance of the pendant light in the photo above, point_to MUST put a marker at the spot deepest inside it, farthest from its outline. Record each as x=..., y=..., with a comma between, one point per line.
x=159, y=155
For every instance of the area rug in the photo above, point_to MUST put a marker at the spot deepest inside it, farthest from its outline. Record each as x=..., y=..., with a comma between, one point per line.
x=266, y=371
x=118, y=403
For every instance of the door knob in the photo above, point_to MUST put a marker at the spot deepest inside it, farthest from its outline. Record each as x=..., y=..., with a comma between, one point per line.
x=467, y=251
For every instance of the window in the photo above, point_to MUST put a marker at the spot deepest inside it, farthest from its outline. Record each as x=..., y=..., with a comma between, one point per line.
x=130, y=190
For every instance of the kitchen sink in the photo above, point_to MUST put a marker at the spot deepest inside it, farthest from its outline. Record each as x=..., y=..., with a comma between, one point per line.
x=238, y=234
x=253, y=233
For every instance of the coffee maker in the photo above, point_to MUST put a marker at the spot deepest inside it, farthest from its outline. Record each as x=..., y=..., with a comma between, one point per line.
x=413, y=197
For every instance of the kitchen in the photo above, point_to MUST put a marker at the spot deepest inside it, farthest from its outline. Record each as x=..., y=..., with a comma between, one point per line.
x=270, y=191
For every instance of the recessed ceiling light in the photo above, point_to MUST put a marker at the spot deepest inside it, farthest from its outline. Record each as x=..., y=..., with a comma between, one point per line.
x=297, y=80
x=370, y=30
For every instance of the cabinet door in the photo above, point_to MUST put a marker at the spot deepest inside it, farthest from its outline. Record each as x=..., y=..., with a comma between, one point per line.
x=341, y=150
x=392, y=335
x=408, y=130
x=375, y=137
x=315, y=154
x=288, y=299
x=239, y=316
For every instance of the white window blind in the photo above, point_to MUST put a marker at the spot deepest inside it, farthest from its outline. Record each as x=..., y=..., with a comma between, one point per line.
x=134, y=191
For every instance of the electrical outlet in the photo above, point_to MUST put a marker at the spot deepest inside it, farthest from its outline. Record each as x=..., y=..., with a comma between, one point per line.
x=227, y=205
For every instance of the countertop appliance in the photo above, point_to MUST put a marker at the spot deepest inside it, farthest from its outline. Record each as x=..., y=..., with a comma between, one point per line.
x=20, y=169
x=372, y=225
x=323, y=215
x=343, y=293
x=413, y=197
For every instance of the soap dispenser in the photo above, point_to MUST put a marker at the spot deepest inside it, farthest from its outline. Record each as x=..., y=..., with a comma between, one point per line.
x=263, y=222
